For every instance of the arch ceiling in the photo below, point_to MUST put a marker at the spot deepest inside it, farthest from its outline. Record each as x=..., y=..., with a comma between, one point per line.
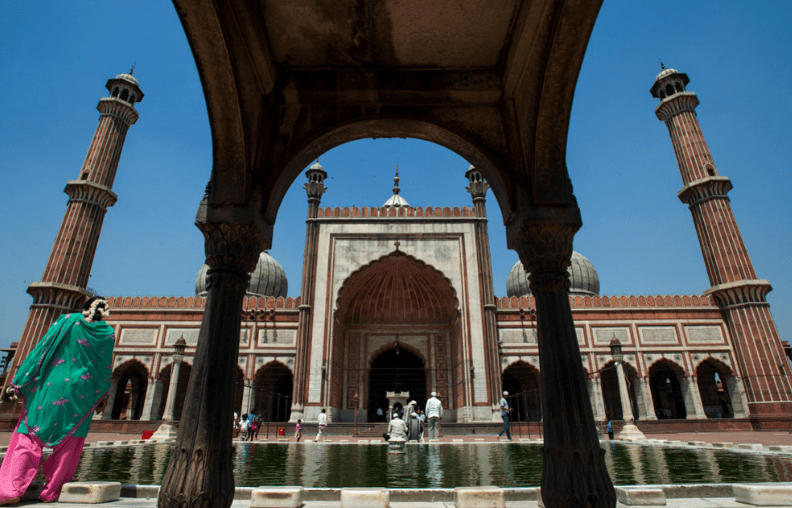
x=286, y=81
x=397, y=289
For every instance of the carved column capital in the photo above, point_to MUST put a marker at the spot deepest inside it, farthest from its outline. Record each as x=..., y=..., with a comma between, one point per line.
x=545, y=249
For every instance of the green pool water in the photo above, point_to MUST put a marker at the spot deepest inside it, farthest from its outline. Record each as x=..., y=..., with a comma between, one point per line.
x=443, y=465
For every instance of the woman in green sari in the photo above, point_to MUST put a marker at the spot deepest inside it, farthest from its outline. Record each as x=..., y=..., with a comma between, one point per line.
x=61, y=383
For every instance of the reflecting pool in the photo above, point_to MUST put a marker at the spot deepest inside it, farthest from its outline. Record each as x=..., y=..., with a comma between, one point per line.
x=439, y=466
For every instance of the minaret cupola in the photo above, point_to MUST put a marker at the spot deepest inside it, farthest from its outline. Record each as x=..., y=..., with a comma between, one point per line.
x=669, y=83
x=126, y=88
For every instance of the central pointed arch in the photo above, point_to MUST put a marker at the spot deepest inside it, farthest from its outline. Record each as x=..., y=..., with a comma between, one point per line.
x=396, y=307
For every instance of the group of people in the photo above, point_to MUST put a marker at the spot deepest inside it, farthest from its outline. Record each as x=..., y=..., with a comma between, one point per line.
x=411, y=428
x=247, y=428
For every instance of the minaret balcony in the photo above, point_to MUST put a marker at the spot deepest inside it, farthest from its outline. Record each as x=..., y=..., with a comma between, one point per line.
x=743, y=292
x=676, y=104
x=705, y=189
x=91, y=193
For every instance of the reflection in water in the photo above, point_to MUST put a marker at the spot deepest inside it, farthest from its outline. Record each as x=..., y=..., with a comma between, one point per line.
x=436, y=465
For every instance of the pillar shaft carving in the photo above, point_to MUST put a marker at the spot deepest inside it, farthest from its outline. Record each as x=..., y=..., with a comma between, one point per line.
x=199, y=473
x=574, y=472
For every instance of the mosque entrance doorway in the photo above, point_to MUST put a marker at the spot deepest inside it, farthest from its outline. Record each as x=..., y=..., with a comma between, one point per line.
x=273, y=389
x=669, y=401
x=397, y=370
x=521, y=380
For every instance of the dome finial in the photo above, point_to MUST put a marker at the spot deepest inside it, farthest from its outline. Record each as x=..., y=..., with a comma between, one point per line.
x=132, y=70
x=396, y=189
x=662, y=65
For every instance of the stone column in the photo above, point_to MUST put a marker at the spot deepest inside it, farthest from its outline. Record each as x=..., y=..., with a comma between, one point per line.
x=629, y=431
x=200, y=473
x=693, y=405
x=737, y=396
x=107, y=413
x=574, y=471
x=646, y=398
x=595, y=395
x=173, y=386
x=247, y=395
x=148, y=404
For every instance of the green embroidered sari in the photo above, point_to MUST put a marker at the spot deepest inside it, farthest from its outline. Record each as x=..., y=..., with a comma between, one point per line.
x=63, y=379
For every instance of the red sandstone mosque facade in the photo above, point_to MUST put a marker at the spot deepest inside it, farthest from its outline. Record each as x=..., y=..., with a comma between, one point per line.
x=401, y=298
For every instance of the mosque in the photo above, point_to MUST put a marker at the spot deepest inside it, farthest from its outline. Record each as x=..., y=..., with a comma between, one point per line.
x=400, y=298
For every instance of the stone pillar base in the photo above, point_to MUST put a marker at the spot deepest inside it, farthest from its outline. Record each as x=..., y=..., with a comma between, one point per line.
x=631, y=433
x=167, y=431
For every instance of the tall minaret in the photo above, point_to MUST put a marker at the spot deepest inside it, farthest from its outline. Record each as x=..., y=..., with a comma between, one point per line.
x=63, y=285
x=315, y=189
x=478, y=190
x=760, y=356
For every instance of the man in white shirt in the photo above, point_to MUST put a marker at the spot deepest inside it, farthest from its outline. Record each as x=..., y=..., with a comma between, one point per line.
x=434, y=412
x=322, y=426
x=397, y=429
x=505, y=410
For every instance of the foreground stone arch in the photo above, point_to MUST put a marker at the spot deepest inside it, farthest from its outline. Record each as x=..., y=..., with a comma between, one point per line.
x=498, y=77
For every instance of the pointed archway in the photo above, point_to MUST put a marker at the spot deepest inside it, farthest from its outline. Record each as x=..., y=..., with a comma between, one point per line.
x=392, y=315
x=273, y=388
x=501, y=97
x=397, y=369
x=130, y=392
x=521, y=380
x=669, y=400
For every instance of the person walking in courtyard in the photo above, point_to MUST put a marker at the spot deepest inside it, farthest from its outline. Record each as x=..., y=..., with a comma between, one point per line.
x=61, y=383
x=505, y=410
x=322, y=426
x=609, y=429
x=298, y=430
x=434, y=412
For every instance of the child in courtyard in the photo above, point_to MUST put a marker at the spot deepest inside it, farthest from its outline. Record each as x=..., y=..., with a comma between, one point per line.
x=298, y=432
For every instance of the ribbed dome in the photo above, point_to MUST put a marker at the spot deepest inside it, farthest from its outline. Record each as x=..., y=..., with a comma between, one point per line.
x=268, y=279
x=582, y=275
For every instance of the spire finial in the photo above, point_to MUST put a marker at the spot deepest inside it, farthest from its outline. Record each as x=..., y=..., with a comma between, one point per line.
x=396, y=181
x=132, y=70
x=662, y=65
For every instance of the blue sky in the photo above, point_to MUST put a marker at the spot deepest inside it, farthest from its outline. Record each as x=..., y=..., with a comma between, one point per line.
x=56, y=57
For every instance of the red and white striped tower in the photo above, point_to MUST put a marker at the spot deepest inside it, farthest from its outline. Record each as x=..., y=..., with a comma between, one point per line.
x=760, y=356
x=63, y=285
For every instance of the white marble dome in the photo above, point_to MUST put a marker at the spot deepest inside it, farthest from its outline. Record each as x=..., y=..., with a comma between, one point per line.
x=583, y=278
x=268, y=279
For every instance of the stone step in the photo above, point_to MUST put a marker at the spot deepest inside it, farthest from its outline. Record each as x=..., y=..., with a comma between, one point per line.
x=277, y=497
x=365, y=498
x=479, y=497
x=641, y=496
x=90, y=492
x=763, y=495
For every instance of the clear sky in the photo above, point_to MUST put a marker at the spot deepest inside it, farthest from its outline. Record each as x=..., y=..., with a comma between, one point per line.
x=55, y=58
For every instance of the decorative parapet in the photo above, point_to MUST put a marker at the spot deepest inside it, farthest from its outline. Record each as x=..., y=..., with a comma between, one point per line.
x=198, y=302
x=391, y=211
x=596, y=302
